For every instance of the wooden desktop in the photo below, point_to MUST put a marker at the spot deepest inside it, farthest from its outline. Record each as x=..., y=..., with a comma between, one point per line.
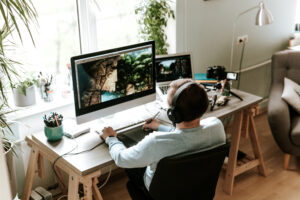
x=85, y=168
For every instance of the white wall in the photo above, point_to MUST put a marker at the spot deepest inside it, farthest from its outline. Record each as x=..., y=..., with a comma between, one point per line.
x=4, y=183
x=205, y=29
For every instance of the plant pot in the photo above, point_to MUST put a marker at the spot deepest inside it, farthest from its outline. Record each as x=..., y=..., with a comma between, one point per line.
x=11, y=171
x=21, y=100
x=54, y=133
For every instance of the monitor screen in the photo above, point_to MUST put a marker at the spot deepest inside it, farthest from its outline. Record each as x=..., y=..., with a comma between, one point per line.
x=172, y=67
x=108, y=78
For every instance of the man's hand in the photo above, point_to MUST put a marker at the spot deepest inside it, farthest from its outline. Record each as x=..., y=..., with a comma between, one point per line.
x=151, y=124
x=108, y=131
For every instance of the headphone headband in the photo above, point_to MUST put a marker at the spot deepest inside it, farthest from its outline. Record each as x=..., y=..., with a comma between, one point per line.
x=173, y=114
x=179, y=90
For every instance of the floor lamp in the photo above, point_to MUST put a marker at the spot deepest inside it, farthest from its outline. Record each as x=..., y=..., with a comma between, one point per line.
x=263, y=17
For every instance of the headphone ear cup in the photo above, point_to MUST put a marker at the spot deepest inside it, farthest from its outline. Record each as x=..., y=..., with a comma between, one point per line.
x=170, y=115
x=177, y=116
x=174, y=115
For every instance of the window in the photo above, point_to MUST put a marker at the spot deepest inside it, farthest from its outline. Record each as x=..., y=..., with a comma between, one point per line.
x=107, y=24
x=104, y=24
x=56, y=38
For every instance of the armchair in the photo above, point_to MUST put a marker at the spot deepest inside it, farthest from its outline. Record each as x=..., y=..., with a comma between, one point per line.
x=283, y=120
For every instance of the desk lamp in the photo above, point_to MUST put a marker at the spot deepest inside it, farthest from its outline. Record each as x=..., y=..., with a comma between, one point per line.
x=263, y=17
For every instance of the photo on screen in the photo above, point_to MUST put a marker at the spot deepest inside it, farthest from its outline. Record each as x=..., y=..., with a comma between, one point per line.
x=173, y=68
x=114, y=76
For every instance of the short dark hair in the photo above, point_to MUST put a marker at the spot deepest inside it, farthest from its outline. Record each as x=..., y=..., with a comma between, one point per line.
x=192, y=102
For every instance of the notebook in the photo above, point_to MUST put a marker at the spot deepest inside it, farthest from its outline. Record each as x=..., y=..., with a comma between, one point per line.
x=169, y=68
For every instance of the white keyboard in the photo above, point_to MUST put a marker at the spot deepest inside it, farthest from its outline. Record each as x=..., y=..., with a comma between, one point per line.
x=127, y=120
x=132, y=125
x=119, y=128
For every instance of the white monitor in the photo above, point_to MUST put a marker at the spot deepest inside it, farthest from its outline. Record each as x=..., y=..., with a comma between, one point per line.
x=113, y=80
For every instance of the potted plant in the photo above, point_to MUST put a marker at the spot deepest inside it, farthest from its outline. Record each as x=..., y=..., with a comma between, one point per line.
x=13, y=12
x=24, y=92
x=153, y=19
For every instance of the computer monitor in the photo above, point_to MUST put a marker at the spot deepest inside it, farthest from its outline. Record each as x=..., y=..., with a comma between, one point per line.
x=110, y=81
x=173, y=66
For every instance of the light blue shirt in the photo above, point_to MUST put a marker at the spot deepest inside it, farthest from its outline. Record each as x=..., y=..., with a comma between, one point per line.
x=165, y=142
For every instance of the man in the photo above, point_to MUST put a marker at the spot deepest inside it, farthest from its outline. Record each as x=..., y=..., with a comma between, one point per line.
x=189, y=135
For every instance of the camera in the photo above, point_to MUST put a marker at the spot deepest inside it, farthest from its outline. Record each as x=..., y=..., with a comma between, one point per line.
x=219, y=73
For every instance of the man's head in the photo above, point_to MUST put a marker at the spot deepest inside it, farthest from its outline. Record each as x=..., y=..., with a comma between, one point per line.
x=192, y=101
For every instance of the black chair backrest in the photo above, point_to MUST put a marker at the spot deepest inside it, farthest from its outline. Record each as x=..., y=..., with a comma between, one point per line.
x=192, y=176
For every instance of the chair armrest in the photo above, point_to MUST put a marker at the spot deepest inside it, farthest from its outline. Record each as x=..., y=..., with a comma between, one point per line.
x=278, y=114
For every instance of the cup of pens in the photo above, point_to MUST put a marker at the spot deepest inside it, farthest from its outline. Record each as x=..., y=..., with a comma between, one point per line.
x=53, y=126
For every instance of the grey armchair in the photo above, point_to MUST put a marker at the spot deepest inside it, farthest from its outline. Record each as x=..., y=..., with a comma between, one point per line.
x=283, y=120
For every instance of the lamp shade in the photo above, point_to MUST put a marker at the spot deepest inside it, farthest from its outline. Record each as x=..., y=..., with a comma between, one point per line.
x=263, y=16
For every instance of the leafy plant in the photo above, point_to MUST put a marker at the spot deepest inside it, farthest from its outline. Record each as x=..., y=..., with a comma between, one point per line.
x=13, y=13
x=153, y=18
x=23, y=85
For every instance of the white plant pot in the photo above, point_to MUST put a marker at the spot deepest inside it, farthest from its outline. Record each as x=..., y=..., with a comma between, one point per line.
x=21, y=100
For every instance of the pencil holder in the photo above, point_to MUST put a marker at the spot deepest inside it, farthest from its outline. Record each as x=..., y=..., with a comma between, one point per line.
x=54, y=133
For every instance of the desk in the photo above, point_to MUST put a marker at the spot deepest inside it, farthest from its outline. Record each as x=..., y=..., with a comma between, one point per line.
x=83, y=168
x=86, y=167
x=242, y=125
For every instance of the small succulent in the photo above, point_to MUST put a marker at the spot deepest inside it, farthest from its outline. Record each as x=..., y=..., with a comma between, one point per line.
x=26, y=83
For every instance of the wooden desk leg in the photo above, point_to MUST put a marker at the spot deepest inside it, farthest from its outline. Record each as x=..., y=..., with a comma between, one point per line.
x=245, y=126
x=256, y=147
x=234, y=148
x=87, y=186
x=61, y=183
x=32, y=165
x=41, y=168
x=96, y=191
x=73, y=187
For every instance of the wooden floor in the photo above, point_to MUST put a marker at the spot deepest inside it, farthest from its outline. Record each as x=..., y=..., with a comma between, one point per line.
x=279, y=184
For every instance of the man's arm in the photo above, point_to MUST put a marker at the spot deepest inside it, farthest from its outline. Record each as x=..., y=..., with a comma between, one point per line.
x=156, y=126
x=140, y=155
x=164, y=128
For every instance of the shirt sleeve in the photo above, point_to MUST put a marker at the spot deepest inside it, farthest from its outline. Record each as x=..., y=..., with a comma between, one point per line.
x=140, y=155
x=164, y=128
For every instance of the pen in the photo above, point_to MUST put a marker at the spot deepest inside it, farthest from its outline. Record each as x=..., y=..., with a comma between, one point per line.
x=56, y=120
x=150, y=120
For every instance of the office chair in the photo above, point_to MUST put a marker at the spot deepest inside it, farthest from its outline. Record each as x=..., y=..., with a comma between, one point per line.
x=184, y=176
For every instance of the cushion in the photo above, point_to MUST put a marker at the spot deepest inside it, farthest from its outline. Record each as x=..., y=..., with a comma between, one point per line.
x=298, y=91
x=295, y=129
x=291, y=94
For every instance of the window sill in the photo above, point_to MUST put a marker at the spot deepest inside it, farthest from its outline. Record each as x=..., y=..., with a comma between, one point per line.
x=40, y=107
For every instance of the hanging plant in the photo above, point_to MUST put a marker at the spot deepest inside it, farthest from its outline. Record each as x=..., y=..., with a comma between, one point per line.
x=153, y=18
